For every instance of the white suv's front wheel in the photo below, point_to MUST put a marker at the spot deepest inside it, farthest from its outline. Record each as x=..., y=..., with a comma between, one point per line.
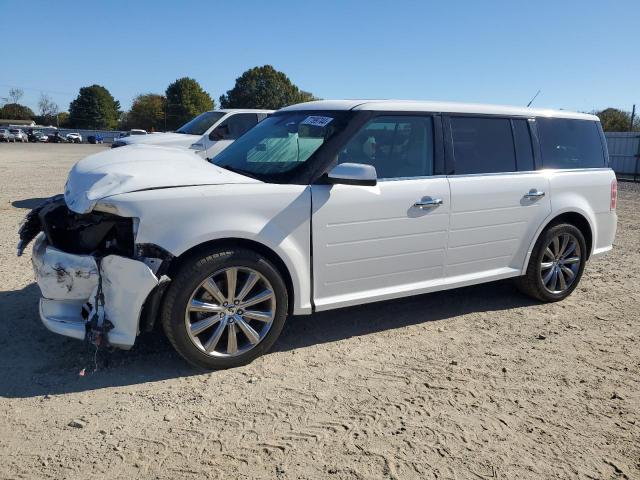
x=225, y=308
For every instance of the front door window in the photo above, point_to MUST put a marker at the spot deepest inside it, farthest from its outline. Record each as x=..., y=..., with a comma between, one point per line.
x=397, y=146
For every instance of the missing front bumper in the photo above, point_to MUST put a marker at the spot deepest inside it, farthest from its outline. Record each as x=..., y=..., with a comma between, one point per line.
x=69, y=281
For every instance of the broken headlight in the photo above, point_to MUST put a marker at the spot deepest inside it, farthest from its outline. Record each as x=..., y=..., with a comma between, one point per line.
x=88, y=233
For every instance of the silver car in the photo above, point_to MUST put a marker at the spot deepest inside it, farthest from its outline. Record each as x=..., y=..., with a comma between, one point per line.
x=6, y=135
x=19, y=135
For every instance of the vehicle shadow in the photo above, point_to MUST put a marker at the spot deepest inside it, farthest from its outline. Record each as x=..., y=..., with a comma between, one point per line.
x=29, y=203
x=335, y=325
x=39, y=363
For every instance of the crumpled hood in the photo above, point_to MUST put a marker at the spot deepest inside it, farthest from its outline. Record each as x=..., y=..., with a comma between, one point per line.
x=139, y=167
x=177, y=139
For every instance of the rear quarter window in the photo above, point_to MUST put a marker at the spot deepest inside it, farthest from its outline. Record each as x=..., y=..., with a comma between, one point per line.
x=567, y=143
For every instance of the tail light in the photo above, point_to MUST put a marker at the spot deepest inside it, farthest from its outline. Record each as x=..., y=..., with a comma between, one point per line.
x=614, y=194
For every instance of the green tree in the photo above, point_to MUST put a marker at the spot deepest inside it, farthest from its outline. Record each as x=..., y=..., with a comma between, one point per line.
x=94, y=107
x=15, y=111
x=147, y=112
x=60, y=119
x=63, y=119
x=614, y=120
x=264, y=87
x=185, y=100
x=123, y=121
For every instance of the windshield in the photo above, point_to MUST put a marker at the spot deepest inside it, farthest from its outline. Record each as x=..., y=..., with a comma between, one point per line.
x=280, y=143
x=201, y=123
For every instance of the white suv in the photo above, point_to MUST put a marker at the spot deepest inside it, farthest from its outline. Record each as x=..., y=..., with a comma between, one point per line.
x=322, y=205
x=207, y=134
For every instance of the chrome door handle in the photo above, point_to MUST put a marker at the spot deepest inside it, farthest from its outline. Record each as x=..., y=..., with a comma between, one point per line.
x=534, y=193
x=426, y=203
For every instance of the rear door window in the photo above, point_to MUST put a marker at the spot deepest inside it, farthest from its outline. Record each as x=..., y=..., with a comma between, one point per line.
x=568, y=143
x=482, y=145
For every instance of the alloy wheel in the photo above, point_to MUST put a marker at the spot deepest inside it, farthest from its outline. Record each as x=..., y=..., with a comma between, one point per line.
x=230, y=312
x=560, y=263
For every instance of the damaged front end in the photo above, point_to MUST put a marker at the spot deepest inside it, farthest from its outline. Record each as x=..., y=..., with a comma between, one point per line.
x=95, y=281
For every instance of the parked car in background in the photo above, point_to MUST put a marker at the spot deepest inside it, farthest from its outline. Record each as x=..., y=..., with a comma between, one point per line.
x=56, y=138
x=6, y=135
x=74, y=137
x=322, y=205
x=208, y=134
x=32, y=135
x=41, y=137
x=133, y=131
x=19, y=135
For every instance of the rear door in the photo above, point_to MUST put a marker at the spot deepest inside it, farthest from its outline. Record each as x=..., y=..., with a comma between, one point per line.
x=389, y=240
x=498, y=199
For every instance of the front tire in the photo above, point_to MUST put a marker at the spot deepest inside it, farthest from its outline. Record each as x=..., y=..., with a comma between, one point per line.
x=556, y=264
x=225, y=308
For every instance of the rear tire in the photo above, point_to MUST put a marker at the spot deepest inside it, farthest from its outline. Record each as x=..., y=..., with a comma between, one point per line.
x=556, y=264
x=214, y=325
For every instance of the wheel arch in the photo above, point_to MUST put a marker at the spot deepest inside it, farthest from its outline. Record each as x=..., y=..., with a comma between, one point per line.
x=577, y=218
x=248, y=244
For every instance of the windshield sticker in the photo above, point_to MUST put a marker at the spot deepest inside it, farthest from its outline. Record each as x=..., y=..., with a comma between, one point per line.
x=316, y=121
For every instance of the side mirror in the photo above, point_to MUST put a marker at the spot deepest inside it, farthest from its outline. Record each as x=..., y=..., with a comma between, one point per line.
x=219, y=133
x=353, y=174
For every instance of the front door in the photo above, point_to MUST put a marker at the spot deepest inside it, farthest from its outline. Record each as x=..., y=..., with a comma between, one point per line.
x=388, y=240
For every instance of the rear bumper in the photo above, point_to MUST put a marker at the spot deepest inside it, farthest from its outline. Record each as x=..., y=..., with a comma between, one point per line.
x=606, y=225
x=600, y=252
x=69, y=283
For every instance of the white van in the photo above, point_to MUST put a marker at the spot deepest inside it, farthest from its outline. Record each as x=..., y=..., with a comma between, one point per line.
x=208, y=134
x=322, y=205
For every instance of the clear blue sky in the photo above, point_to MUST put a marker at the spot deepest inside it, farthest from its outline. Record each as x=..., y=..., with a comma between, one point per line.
x=583, y=55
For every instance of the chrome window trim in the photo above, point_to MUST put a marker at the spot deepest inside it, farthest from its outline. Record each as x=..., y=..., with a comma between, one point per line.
x=547, y=170
x=397, y=179
x=493, y=174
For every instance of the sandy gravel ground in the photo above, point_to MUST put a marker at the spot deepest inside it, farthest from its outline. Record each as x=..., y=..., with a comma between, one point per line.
x=477, y=383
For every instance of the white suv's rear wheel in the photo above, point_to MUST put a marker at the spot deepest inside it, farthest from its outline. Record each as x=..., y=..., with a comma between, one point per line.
x=225, y=308
x=556, y=264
